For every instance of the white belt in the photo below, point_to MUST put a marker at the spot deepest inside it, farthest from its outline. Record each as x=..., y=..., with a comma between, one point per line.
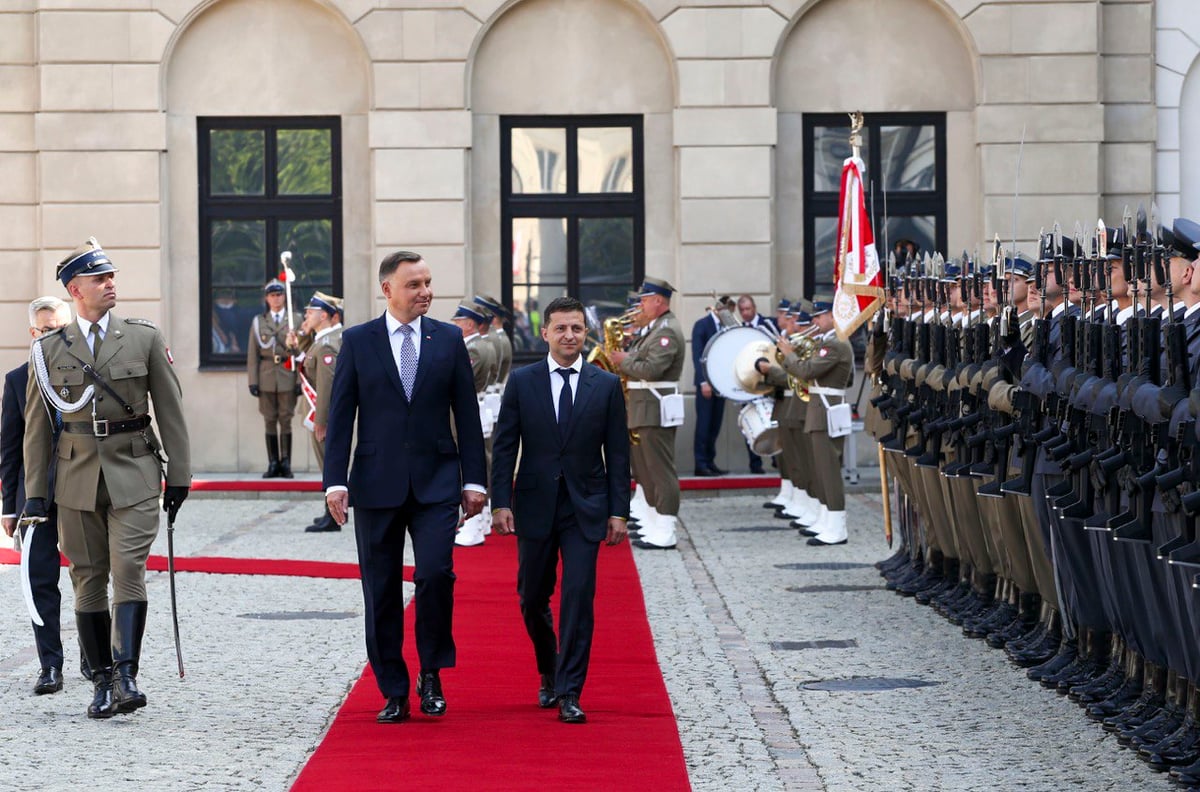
x=644, y=385
x=820, y=391
x=787, y=394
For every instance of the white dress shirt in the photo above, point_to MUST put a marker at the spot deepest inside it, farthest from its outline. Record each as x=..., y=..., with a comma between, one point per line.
x=556, y=380
x=86, y=327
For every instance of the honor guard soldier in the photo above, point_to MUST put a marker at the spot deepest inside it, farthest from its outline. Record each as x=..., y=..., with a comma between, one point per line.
x=497, y=314
x=272, y=378
x=653, y=366
x=830, y=369
x=485, y=365
x=98, y=376
x=322, y=328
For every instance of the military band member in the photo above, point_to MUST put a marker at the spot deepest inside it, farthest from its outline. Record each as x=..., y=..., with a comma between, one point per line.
x=830, y=369
x=45, y=314
x=100, y=374
x=272, y=378
x=653, y=365
x=472, y=320
x=322, y=330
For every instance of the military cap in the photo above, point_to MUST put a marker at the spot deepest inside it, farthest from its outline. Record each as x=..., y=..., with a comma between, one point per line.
x=803, y=319
x=1116, y=243
x=1182, y=239
x=633, y=298
x=822, y=303
x=784, y=304
x=328, y=304
x=951, y=272
x=274, y=286
x=469, y=310
x=87, y=259
x=656, y=286
x=493, y=305
x=1018, y=264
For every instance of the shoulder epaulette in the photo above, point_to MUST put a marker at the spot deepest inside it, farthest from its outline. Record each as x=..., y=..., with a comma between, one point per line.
x=49, y=333
x=143, y=322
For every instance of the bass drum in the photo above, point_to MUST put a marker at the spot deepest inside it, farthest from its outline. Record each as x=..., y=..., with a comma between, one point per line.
x=762, y=434
x=720, y=360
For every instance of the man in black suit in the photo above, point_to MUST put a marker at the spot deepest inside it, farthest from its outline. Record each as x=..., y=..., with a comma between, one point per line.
x=45, y=314
x=710, y=406
x=567, y=421
x=401, y=375
x=750, y=317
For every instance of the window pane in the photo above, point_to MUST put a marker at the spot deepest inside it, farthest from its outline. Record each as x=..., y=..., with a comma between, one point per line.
x=528, y=299
x=539, y=160
x=236, y=161
x=238, y=252
x=539, y=249
x=831, y=146
x=606, y=250
x=311, y=244
x=305, y=158
x=908, y=157
x=232, y=311
x=825, y=234
x=605, y=159
x=900, y=230
x=609, y=300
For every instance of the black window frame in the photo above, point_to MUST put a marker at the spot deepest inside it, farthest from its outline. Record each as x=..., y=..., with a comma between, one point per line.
x=270, y=207
x=572, y=205
x=899, y=204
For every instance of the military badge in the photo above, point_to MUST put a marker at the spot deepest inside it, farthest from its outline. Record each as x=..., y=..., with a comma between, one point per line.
x=664, y=341
x=824, y=351
x=65, y=392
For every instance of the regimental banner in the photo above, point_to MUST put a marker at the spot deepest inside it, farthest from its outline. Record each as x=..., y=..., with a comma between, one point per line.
x=858, y=279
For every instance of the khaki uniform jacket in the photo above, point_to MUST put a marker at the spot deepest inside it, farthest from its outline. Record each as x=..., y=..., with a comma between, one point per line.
x=789, y=410
x=502, y=344
x=831, y=366
x=656, y=356
x=261, y=368
x=135, y=363
x=319, y=364
x=484, y=364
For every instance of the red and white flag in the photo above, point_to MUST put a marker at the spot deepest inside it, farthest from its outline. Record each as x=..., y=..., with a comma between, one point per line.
x=858, y=279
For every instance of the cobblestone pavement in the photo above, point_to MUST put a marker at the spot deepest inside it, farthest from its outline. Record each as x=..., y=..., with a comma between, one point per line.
x=269, y=660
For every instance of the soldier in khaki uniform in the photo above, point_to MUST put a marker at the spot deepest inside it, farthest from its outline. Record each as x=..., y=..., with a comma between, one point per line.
x=493, y=330
x=321, y=338
x=272, y=381
x=653, y=366
x=830, y=370
x=485, y=366
x=99, y=374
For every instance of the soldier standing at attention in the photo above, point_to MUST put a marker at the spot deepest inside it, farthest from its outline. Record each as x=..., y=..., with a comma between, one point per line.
x=99, y=375
x=485, y=366
x=272, y=379
x=322, y=325
x=653, y=365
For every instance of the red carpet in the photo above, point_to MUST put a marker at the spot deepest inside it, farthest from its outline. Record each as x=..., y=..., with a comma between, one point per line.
x=734, y=482
x=216, y=565
x=494, y=736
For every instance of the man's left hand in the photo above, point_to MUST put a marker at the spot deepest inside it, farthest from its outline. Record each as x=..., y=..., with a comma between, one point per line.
x=319, y=431
x=472, y=502
x=10, y=525
x=785, y=346
x=617, y=531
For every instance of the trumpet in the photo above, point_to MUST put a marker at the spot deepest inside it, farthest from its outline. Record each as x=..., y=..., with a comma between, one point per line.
x=804, y=346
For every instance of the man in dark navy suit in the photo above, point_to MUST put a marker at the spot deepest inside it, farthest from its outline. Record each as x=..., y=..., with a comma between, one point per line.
x=567, y=421
x=710, y=406
x=45, y=314
x=400, y=376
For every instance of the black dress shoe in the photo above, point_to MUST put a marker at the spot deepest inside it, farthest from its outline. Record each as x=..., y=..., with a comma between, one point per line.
x=757, y=471
x=49, y=681
x=706, y=472
x=429, y=688
x=569, y=711
x=719, y=471
x=324, y=523
x=396, y=710
x=815, y=542
x=546, y=697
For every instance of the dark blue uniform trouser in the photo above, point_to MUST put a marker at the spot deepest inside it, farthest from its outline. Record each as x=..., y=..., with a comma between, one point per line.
x=709, y=413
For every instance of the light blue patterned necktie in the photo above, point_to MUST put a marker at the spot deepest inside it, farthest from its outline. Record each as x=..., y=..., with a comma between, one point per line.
x=408, y=361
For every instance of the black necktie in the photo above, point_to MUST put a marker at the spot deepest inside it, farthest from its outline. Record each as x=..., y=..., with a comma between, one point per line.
x=564, y=400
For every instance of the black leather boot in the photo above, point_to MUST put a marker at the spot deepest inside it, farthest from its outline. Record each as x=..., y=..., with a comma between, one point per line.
x=285, y=456
x=272, y=457
x=94, y=628
x=129, y=623
x=323, y=523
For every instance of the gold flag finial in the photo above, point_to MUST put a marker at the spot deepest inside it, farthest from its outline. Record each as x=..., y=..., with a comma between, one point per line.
x=856, y=125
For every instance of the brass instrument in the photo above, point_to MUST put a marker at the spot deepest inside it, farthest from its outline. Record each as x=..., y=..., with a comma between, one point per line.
x=805, y=345
x=613, y=340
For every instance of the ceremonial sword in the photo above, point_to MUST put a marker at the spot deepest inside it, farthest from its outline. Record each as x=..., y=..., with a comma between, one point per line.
x=30, y=524
x=171, y=578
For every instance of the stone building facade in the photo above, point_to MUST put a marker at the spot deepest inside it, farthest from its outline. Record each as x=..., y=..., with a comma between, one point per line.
x=103, y=106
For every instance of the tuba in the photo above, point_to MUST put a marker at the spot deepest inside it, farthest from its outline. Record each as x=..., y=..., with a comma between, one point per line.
x=613, y=339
